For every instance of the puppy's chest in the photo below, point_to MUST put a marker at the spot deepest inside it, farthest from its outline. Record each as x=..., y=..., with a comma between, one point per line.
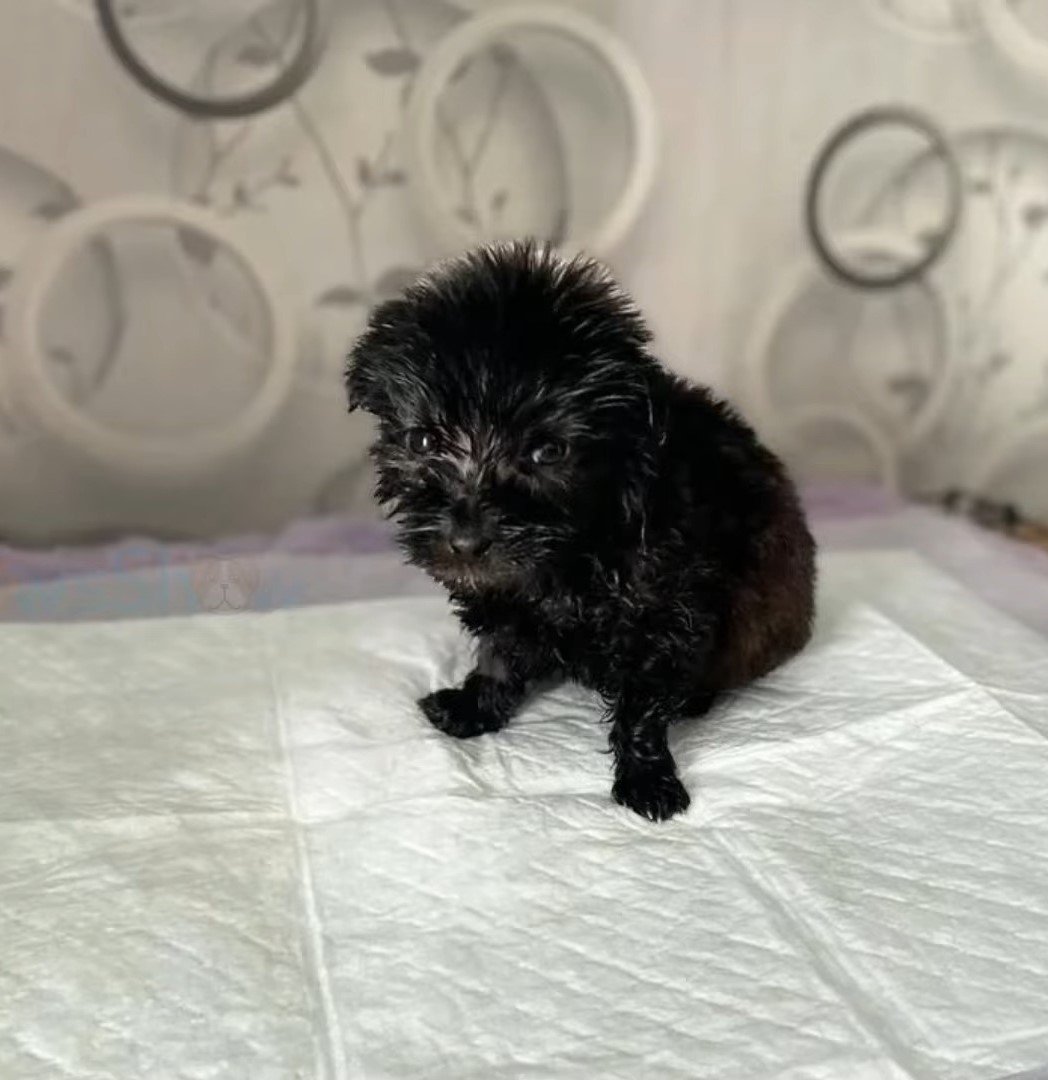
x=582, y=637
x=583, y=634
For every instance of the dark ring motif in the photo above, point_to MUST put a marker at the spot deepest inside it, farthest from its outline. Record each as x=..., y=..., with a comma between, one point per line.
x=206, y=108
x=894, y=116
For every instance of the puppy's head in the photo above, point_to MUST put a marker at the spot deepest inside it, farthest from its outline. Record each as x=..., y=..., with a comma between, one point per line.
x=516, y=429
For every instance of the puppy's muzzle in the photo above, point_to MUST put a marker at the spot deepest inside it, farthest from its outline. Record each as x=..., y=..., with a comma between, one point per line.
x=468, y=543
x=469, y=536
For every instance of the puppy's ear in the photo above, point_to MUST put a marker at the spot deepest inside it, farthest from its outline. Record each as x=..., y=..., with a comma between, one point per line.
x=370, y=361
x=361, y=378
x=378, y=354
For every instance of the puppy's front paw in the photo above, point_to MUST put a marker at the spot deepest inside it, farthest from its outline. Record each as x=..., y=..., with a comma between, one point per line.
x=458, y=713
x=653, y=791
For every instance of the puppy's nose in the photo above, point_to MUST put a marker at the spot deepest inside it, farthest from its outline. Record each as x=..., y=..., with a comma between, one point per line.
x=468, y=540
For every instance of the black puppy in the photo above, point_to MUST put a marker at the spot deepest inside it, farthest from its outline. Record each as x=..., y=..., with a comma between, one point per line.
x=591, y=515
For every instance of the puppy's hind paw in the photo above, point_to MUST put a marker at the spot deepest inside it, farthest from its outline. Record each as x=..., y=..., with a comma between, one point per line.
x=457, y=713
x=654, y=792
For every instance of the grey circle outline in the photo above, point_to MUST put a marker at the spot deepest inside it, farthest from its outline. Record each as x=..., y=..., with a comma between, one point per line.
x=883, y=116
x=236, y=106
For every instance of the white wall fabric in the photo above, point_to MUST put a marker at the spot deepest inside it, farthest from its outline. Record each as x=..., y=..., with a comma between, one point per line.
x=163, y=334
x=747, y=92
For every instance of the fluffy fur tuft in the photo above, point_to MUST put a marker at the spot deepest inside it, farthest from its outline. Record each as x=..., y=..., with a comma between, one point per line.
x=592, y=516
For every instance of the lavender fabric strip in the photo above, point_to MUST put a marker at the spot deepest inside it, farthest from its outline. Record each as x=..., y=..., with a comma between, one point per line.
x=310, y=536
x=313, y=536
x=325, y=560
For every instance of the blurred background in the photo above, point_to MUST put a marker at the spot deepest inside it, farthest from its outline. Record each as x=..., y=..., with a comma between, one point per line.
x=200, y=200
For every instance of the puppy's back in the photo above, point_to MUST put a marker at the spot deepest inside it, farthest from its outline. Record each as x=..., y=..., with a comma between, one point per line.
x=746, y=508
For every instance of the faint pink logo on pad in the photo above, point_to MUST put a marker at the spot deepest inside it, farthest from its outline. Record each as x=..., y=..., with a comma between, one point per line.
x=225, y=585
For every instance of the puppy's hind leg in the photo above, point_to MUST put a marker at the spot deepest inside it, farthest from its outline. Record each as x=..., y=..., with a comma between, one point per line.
x=487, y=700
x=646, y=778
x=698, y=704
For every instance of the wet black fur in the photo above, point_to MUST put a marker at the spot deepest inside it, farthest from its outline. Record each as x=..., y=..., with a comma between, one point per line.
x=616, y=525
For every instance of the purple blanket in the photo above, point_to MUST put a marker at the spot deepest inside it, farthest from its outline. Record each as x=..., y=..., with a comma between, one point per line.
x=310, y=536
x=328, y=560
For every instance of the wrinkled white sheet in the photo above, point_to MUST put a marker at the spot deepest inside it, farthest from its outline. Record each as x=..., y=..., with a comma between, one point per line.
x=230, y=848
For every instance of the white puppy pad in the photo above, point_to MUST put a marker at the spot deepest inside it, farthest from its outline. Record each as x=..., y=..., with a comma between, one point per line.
x=231, y=848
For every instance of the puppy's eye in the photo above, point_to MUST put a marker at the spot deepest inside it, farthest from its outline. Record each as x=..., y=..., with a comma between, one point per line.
x=420, y=441
x=548, y=453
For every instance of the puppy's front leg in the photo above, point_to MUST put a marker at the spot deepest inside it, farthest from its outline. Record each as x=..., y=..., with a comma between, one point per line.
x=486, y=701
x=646, y=778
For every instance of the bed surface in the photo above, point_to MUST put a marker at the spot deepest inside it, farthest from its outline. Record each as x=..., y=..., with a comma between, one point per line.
x=329, y=560
x=229, y=848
